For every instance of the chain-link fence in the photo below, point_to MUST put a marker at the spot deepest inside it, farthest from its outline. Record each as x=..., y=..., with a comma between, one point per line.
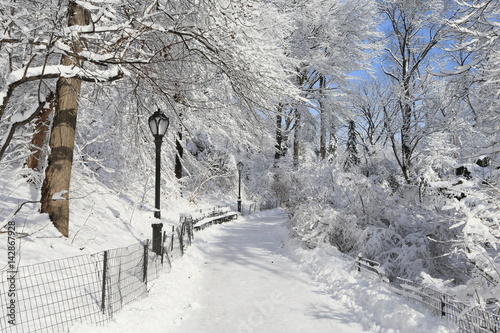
x=469, y=319
x=52, y=296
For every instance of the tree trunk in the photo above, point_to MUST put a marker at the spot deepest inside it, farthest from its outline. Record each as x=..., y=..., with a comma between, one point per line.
x=323, y=115
x=279, y=136
x=406, y=151
x=62, y=138
x=405, y=143
x=332, y=144
x=40, y=133
x=178, y=156
x=296, y=139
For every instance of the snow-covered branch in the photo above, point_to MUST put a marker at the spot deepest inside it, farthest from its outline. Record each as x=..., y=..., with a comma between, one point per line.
x=19, y=120
x=23, y=75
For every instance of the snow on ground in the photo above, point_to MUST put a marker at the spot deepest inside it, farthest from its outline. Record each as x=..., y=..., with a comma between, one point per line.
x=248, y=276
x=100, y=218
x=243, y=276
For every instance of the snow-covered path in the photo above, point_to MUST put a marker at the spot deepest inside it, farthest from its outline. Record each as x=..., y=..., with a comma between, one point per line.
x=235, y=278
x=238, y=277
x=248, y=285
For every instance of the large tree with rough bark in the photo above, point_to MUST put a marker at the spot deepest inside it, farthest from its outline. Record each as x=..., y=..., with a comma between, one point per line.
x=62, y=135
x=189, y=55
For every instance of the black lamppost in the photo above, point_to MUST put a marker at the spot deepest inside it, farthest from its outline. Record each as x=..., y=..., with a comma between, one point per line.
x=239, y=166
x=158, y=124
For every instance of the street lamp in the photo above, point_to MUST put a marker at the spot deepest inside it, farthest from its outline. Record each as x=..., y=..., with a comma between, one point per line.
x=239, y=166
x=158, y=124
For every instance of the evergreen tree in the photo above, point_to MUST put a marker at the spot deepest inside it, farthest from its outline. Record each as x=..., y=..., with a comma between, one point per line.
x=352, y=149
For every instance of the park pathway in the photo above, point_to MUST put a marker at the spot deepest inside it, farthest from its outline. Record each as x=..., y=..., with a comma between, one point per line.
x=235, y=278
x=246, y=283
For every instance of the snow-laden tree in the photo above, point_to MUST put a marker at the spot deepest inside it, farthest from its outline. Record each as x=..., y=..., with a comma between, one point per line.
x=433, y=222
x=219, y=100
x=333, y=37
x=368, y=101
x=35, y=57
x=352, y=159
x=478, y=30
x=477, y=25
x=414, y=31
x=201, y=55
x=330, y=40
x=477, y=53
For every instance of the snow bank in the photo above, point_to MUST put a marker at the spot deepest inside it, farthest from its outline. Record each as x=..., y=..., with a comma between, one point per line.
x=379, y=308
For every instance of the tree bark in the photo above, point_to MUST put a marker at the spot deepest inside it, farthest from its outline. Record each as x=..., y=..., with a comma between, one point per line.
x=323, y=115
x=332, y=144
x=40, y=133
x=62, y=138
x=178, y=156
x=407, y=113
x=296, y=138
x=279, y=135
x=405, y=142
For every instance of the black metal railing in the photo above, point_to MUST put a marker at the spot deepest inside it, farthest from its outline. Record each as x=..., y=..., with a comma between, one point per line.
x=52, y=296
x=469, y=319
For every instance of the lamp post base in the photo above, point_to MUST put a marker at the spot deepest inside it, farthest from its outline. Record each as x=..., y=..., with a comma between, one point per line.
x=157, y=237
x=239, y=205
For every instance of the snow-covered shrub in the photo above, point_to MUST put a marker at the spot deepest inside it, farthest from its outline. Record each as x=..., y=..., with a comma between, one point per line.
x=397, y=226
x=478, y=220
x=441, y=225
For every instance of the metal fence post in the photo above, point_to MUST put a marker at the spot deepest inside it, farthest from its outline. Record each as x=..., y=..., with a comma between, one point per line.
x=443, y=306
x=172, y=242
x=163, y=246
x=104, y=269
x=181, y=240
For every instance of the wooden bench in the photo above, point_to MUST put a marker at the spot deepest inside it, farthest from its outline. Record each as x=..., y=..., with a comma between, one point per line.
x=208, y=221
x=201, y=219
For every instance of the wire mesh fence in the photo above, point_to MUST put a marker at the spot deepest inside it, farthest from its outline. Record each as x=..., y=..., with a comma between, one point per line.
x=52, y=296
x=469, y=319
x=48, y=294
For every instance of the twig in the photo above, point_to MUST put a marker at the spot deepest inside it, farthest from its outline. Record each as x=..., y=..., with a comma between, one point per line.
x=90, y=213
